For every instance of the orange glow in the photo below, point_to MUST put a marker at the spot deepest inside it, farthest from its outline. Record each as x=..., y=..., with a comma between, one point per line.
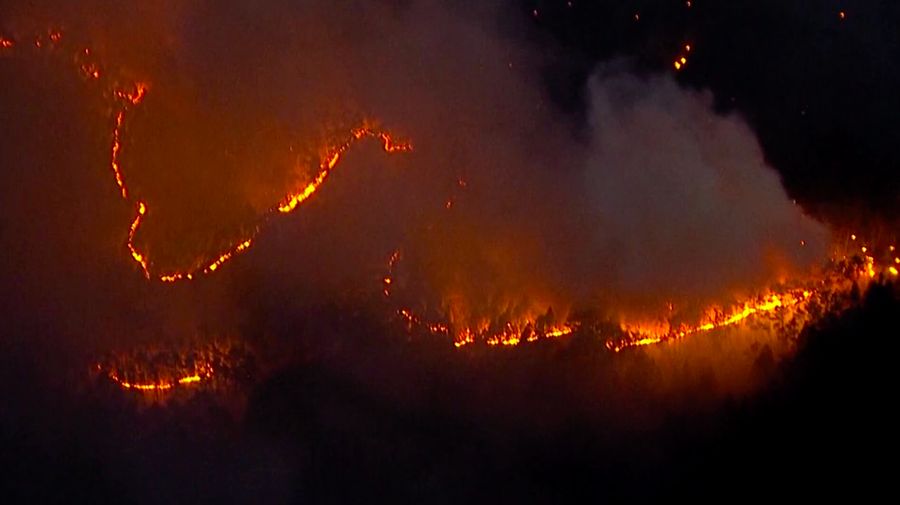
x=865, y=266
x=559, y=331
x=389, y=278
x=190, y=379
x=90, y=70
x=647, y=334
x=779, y=305
x=211, y=267
x=836, y=281
x=135, y=97
x=135, y=254
x=331, y=160
x=466, y=338
x=129, y=97
x=681, y=60
x=116, y=147
x=209, y=366
x=510, y=333
x=144, y=376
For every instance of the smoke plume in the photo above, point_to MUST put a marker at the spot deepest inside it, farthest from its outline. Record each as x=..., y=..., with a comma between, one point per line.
x=506, y=207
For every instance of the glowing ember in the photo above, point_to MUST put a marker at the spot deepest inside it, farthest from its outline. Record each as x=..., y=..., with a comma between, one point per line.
x=135, y=254
x=682, y=60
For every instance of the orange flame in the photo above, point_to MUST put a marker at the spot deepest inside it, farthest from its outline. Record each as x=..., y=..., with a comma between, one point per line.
x=131, y=98
x=511, y=333
x=331, y=160
x=681, y=60
x=782, y=303
x=138, y=257
x=290, y=203
x=649, y=334
x=202, y=371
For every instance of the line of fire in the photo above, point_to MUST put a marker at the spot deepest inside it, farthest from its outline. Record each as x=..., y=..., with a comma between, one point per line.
x=853, y=265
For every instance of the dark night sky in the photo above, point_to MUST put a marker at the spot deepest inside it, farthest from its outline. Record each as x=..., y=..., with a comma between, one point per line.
x=819, y=90
x=353, y=412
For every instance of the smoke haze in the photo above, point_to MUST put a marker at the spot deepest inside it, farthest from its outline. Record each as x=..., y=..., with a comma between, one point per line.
x=655, y=199
x=647, y=205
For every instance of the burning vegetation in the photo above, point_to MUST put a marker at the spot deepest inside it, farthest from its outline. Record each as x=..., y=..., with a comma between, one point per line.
x=785, y=308
x=216, y=366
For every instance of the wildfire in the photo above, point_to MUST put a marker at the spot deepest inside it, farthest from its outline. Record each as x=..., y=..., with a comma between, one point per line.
x=156, y=386
x=130, y=97
x=389, y=277
x=143, y=377
x=212, y=267
x=135, y=254
x=780, y=304
x=648, y=334
x=510, y=333
x=330, y=161
x=290, y=203
x=507, y=335
x=159, y=370
x=847, y=270
x=116, y=147
x=132, y=372
x=140, y=372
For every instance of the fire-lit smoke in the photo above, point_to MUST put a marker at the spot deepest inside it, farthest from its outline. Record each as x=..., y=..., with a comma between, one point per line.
x=510, y=219
x=666, y=204
x=686, y=207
